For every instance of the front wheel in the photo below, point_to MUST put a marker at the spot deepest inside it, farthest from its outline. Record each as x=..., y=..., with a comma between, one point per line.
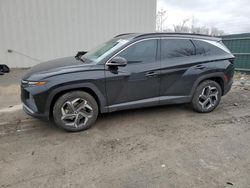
x=75, y=111
x=206, y=97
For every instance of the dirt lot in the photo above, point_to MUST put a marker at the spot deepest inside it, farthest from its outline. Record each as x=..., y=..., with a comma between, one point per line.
x=169, y=146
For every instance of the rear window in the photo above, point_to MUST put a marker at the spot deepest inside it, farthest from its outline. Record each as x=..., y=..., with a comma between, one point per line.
x=175, y=48
x=209, y=47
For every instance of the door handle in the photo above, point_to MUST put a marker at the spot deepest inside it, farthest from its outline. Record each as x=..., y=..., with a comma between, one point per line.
x=200, y=67
x=151, y=74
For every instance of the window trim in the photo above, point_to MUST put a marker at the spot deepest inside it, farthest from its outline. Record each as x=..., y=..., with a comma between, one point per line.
x=159, y=44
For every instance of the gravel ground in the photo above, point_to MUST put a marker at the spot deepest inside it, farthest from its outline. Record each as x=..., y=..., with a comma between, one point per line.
x=168, y=146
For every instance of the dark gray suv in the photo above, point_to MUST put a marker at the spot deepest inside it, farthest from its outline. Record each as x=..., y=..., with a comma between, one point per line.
x=129, y=71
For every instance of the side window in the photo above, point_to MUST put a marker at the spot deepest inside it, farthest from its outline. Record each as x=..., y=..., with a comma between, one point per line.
x=141, y=52
x=207, y=48
x=175, y=48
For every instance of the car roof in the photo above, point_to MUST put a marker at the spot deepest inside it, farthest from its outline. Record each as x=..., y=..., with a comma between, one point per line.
x=160, y=34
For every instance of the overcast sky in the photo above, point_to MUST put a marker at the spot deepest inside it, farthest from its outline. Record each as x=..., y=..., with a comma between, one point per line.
x=232, y=16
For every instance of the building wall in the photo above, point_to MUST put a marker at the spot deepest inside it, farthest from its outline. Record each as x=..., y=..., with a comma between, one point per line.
x=32, y=31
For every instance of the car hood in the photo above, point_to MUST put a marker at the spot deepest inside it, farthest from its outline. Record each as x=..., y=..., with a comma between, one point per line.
x=55, y=67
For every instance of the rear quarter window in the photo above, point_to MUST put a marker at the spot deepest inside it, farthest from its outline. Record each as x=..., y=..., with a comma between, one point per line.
x=207, y=48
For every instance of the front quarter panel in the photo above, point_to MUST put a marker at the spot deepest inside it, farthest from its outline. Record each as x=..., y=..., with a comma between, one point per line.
x=92, y=79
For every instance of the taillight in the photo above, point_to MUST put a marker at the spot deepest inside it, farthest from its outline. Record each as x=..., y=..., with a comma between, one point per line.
x=226, y=78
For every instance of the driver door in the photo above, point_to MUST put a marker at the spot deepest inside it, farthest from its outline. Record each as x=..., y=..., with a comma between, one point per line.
x=137, y=84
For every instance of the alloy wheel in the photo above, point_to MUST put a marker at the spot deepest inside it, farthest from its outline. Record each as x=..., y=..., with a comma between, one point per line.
x=76, y=112
x=208, y=97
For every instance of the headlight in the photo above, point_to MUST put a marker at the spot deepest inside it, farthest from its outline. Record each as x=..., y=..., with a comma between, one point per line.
x=33, y=83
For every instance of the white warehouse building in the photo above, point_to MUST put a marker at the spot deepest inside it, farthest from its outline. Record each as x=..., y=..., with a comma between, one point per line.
x=33, y=31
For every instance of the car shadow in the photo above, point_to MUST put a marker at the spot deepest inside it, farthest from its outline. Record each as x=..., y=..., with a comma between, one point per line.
x=105, y=119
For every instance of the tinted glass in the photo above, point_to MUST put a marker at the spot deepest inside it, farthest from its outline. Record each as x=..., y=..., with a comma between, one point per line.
x=174, y=48
x=207, y=48
x=104, y=49
x=141, y=52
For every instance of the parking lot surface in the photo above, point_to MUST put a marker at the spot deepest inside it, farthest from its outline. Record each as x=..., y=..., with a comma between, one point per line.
x=167, y=146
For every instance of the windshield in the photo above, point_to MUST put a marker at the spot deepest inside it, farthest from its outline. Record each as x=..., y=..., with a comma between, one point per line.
x=104, y=49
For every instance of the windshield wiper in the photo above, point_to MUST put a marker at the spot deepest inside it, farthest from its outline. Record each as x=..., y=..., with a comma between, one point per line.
x=79, y=55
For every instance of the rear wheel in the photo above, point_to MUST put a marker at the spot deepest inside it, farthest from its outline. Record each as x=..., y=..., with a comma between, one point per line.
x=75, y=111
x=206, y=97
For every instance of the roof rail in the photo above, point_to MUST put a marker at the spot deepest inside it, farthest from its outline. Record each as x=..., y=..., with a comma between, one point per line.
x=180, y=34
x=161, y=33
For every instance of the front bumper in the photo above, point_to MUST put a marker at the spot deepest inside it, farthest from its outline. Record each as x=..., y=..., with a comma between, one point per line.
x=30, y=105
x=30, y=112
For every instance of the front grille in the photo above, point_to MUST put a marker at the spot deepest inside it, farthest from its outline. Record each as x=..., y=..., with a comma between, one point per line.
x=24, y=93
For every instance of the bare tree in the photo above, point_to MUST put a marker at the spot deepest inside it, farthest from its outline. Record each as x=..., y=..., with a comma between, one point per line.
x=193, y=22
x=183, y=23
x=216, y=32
x=160, y=20
x=200, y=30
x=182, y=28
x=187, y=25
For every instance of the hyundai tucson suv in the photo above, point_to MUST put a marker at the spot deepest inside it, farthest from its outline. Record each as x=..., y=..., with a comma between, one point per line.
x=129, y=71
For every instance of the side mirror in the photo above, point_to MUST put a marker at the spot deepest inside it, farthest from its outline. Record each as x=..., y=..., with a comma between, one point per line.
x=117, y=62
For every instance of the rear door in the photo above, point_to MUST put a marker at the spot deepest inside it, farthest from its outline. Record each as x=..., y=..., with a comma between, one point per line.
x=177, y=56
x=137, y=84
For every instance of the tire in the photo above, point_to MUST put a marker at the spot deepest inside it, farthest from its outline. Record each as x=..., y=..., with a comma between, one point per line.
x=207, y=96
x=75, y=111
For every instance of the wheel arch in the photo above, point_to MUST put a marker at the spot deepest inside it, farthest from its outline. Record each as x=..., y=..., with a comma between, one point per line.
x=94, y=92
x=220, y=81
x=217, y=77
